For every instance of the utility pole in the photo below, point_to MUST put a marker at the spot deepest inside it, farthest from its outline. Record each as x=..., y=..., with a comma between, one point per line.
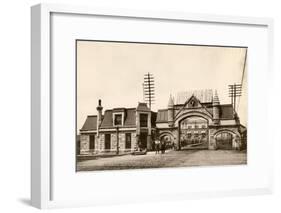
x=149, y=89
x=235, y=90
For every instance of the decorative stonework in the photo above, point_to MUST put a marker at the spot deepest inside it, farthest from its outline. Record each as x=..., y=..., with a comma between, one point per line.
x=172, y=125
x=84, y=144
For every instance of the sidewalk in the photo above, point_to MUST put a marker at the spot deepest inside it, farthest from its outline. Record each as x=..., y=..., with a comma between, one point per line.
x=154, y=152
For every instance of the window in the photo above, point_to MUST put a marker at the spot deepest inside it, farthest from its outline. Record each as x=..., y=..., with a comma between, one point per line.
x=143, y=120
x=117, y=119
x=128, y=141
x=107, y=141
x=92, y=142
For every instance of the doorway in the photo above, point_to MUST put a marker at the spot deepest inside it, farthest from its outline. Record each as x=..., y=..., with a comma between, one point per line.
x=224, y=140
x=143, y=140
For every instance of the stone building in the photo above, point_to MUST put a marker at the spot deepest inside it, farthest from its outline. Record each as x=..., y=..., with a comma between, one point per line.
x=198, y=120
x=118, y=130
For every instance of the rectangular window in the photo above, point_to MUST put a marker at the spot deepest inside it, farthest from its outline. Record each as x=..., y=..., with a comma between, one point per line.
x=143, y=120
x=107, y=141
x=128, y=141
x=118, y=120
x=92, y=141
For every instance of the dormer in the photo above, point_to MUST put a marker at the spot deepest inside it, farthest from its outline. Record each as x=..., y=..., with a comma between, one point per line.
x=118, y=116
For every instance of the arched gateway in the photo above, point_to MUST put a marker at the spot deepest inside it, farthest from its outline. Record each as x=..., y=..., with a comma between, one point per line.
x=227, y=139
x=193, y=132
x=200, y=123
x=195, y=121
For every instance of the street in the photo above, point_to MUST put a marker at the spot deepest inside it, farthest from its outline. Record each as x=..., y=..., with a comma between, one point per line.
x=170, y=159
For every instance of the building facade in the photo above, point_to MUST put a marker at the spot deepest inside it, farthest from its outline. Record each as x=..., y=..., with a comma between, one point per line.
x=196, y=121
x=200, y=121
x=118, y=130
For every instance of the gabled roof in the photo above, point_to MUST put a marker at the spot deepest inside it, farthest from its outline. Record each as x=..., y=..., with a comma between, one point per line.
x=204, y=96
x=90, y=123
x=192, y=102
x=193, y=99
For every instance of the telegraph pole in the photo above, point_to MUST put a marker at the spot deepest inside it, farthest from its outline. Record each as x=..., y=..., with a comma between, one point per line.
x=149, y=89
x=235, y=90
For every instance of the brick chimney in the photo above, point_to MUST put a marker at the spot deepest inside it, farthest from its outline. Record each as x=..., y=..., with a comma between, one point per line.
x=99, y=119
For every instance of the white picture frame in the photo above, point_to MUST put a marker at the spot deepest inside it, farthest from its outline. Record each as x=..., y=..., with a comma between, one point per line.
x=42, y=91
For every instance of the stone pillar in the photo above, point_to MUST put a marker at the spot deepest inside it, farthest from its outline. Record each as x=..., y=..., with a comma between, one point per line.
x=212, y=143
x=212, y=140
x=236, y=143
x=149, y=143
x=137, y=141
x=138, y=123
x=178, y=139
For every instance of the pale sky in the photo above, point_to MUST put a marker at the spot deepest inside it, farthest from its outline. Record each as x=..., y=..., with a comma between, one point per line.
x=114, y=72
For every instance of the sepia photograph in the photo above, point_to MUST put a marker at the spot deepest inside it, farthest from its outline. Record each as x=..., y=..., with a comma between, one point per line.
x=159, y=105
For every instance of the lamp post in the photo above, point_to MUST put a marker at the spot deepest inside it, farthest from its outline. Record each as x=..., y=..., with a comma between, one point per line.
x=117, y=135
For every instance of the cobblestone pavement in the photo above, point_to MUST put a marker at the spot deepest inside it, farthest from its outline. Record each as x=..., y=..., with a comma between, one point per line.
x=170, y=159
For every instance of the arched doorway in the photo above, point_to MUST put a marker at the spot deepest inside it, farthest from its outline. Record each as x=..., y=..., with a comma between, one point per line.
x=168, y=140
x=193, y=132
x=224, y=140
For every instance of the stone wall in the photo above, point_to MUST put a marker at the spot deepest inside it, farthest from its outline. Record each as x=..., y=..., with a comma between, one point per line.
x=84, y=144
x=213, y=131
x=100, y=143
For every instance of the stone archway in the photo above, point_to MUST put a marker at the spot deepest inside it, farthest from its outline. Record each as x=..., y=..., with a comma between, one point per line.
x=227, y=139
x=168, y=138
x=192, y=113
x=193, y=132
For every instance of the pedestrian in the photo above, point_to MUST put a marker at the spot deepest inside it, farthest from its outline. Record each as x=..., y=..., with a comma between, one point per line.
x=157, y=146
x=173, y=146
x=163, y=147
